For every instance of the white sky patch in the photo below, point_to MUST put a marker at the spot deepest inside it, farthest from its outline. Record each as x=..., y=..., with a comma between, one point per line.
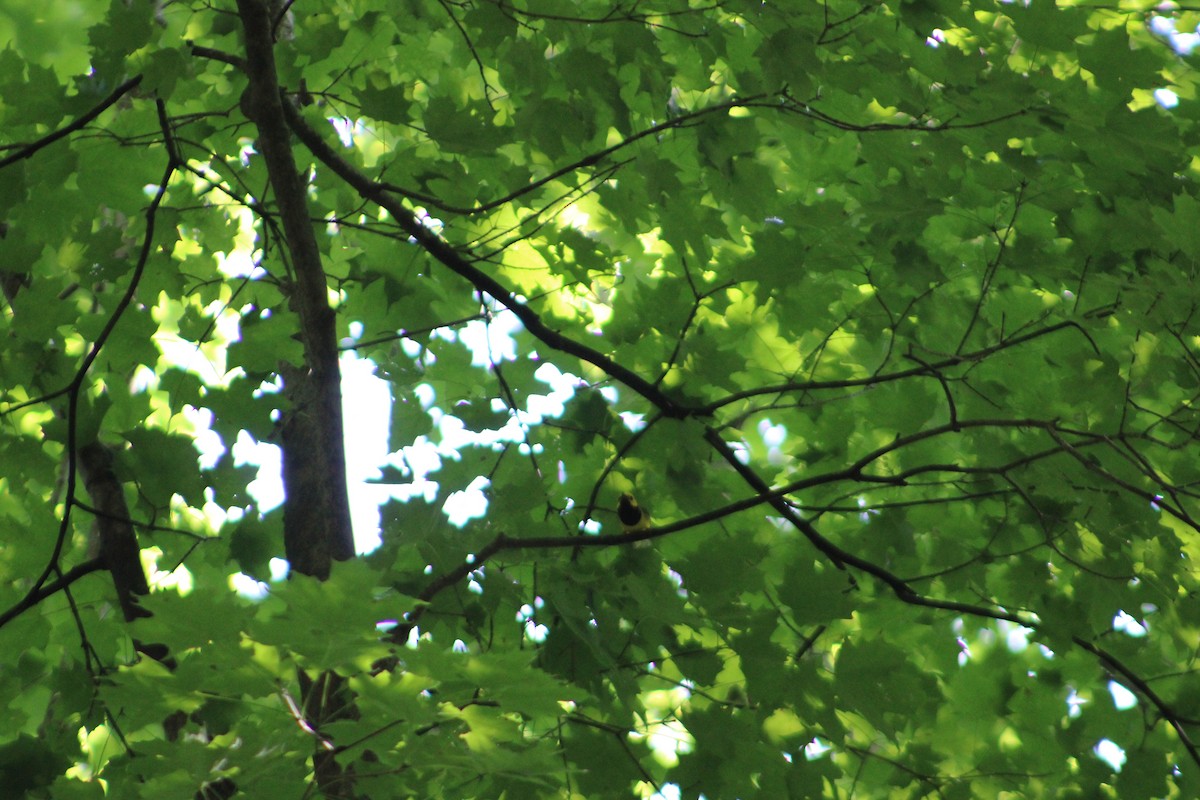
x=864, y=516
x=1131, y=627
x=366, y=405
x=345, y=128
x=492, y=340
x=1109, y=751
x=178, y=577
x=772, y=435
x=575, y=217
x=1182, y=43
x=1123, y=699
x=208, y=441
x=470, y=503
x=670, y=791
x=366, y=436
x=1166, y=98
x=256, y=590
x=267, y=487
x=562, y=388
x=1075, y=704
x=534, y=631
x=206, y=360
x=634, y=421
x=816, y=749
x=1016, y=637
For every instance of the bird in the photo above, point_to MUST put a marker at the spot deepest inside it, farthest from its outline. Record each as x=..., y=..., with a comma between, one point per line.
x=632, y=516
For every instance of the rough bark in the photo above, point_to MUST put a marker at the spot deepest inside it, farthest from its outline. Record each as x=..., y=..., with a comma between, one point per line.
x=316, y=511
x=118, y=545
x=310, y=539
x=316, y=506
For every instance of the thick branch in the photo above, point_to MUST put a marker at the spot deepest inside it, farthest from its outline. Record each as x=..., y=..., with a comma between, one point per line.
x=317, y=508
x=119, y=548
x=453, y=260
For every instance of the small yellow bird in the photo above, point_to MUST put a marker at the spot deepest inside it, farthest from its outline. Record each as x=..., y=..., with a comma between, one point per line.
x=632, y=516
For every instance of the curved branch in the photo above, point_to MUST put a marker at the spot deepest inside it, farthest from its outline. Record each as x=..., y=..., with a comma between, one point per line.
x=681, y=121
x=1143, y=688
x=874, y=380
x=41, y=592
x=76, y=385
x=453, y=260
x=28, y=150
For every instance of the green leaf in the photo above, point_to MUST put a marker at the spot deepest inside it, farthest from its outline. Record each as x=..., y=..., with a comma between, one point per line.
x=27, y=765
x=253, y=543
x=816, y=592
x=875, y=679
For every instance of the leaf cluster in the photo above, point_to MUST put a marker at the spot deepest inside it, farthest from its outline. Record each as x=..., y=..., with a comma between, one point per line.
x=885, y=312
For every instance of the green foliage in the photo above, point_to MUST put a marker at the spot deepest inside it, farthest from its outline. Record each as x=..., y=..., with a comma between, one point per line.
x=886, y=312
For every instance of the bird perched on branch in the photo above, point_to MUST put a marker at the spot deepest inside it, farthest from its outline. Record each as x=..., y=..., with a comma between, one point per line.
x=632, y=516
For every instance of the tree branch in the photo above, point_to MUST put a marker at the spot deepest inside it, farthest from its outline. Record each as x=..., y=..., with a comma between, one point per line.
x=72, y=391
x=44, y=590
x=317, y=507
x=682, y=121
x=450, y=258
x=28, y=150
x=874, y=380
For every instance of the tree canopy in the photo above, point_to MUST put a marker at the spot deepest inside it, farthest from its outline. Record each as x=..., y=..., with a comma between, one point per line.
x=884, y=313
